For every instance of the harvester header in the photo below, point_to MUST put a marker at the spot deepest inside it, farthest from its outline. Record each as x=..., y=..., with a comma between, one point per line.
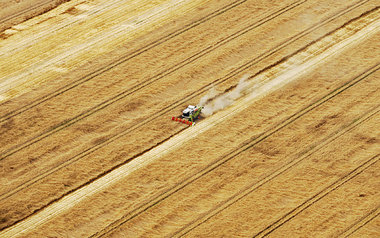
x=189, y=115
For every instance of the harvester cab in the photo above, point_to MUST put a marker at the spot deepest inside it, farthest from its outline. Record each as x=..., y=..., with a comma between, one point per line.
x=189, y=115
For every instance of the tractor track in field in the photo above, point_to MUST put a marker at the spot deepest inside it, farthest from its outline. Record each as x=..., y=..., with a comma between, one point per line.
x=120, y=61
x=72, y=51
x=58, y=27
x=107, y=177
x=137, y=87
x=26, y=10
x=249, y=144
x=162, y=40
x=89, y=181
x=249, y=189
x=362, y=222
x=175, y=104
x=189, y=60
x=144, y=84
x=309, y=202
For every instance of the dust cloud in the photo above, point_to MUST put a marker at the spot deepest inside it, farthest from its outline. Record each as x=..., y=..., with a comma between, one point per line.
x=212, y=105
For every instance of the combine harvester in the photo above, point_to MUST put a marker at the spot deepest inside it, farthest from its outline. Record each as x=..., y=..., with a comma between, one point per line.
x=189, y=115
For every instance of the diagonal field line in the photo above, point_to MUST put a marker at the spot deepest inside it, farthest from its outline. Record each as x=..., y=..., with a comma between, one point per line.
x=120, y=173
x=108, y=102
x=352, y=174
x=136, y=126
x=234, y=153
x=113, y=138
x=20, y=76
x=250, y=188
x=120, y=60
x=360, y=35
x=17, y=14
x=362, y=222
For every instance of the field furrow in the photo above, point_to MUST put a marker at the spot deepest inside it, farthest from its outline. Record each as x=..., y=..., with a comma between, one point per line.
x=287, y=143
